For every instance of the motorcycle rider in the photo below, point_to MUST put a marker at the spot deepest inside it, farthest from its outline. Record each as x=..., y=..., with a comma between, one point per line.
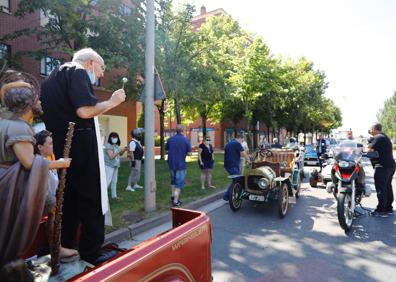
x=384, y=169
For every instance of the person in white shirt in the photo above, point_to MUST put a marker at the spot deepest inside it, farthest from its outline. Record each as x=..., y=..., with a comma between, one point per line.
x=243, y=160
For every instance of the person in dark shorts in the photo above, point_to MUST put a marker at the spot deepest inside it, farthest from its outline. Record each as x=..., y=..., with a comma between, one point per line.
x=384, y=169
x=206, y=161
x=178, y=147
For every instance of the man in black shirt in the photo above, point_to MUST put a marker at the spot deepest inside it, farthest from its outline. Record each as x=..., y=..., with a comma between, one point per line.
x=321, y=149
x=384, y=169
x=67, y=96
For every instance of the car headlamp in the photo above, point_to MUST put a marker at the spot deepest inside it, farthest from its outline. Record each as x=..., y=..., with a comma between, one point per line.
x=343, y=164
x=263, y=183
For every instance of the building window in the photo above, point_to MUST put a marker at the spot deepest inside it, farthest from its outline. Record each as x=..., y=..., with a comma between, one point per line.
x=5, y=51
x=48, y=64
x=5, y=6
x=125, y=10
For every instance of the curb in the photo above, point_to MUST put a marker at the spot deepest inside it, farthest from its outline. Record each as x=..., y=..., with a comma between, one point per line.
x=128, y=233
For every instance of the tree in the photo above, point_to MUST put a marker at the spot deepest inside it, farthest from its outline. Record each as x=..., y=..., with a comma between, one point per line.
x=255, y=83
x=174, y=40
x=220, y=40
x=100, y=24
x=386, y=116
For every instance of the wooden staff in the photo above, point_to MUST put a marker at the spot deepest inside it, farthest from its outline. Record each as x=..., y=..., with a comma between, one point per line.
x=56, y=237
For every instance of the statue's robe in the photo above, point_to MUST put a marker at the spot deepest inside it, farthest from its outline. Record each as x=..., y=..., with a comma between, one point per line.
x=22, y=200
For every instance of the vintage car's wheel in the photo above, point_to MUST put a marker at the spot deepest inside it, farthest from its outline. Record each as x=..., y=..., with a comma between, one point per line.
x=235, y=200
x=344, y=212
x=283, y=200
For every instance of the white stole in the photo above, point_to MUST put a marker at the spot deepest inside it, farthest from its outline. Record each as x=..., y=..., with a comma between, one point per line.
x=103, y=182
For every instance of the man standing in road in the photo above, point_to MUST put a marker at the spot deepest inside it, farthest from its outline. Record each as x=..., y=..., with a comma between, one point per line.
x=67, y=96
x=321, y=149
x=384, y=170
x=233, y=152
x=178, y=148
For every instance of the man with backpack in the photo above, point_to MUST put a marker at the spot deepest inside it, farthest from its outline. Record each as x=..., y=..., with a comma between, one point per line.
x=136, y=155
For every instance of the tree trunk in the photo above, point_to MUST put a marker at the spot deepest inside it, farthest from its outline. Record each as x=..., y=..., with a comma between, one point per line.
x=177, y=106
x=254, y=135
x=177, y=110
x=161, y=110
x=204, y=120
x=305, y=137
x=247, y=124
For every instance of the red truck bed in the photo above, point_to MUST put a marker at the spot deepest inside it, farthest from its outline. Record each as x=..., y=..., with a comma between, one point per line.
x=182, y=253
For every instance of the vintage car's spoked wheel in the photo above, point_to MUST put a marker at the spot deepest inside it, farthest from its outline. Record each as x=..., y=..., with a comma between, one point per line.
x=344, y=212
x=235, y=200
x=283, y=199
x=265, y=153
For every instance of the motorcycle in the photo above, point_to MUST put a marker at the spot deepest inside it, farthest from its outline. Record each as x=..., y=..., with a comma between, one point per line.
x=348, y=181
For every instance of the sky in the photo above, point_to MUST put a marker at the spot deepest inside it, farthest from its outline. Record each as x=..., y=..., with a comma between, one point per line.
x=352, y=41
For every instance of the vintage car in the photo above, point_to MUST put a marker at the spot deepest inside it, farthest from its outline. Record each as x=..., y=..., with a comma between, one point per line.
x=311, y=156
x=274, y=176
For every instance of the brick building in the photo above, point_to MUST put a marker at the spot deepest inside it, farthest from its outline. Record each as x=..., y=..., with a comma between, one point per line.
x=121, y=119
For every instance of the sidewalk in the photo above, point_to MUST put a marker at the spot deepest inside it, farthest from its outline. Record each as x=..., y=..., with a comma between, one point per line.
x=163, y=220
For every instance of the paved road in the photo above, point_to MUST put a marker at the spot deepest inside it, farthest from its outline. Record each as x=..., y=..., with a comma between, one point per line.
x=254, y=244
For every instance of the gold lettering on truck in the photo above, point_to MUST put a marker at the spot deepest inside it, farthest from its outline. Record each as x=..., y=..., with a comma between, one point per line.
x=189, y=237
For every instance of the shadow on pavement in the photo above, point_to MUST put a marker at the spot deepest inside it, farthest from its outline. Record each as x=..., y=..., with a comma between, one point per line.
x=254, y=244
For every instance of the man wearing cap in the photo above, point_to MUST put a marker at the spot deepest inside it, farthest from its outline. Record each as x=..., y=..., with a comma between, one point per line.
x=384, y=169
x=275, y=144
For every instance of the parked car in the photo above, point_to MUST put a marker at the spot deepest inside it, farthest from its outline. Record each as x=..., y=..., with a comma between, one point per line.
x=311, y=156
x=331, y=144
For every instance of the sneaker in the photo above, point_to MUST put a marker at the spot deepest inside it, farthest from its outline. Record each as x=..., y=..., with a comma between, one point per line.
x=378, y=213
x=137, y=186
x=178, y=204
x=389, y=211
x=129, y=188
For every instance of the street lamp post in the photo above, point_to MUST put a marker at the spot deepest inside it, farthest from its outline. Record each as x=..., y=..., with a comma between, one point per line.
x=150, y=185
